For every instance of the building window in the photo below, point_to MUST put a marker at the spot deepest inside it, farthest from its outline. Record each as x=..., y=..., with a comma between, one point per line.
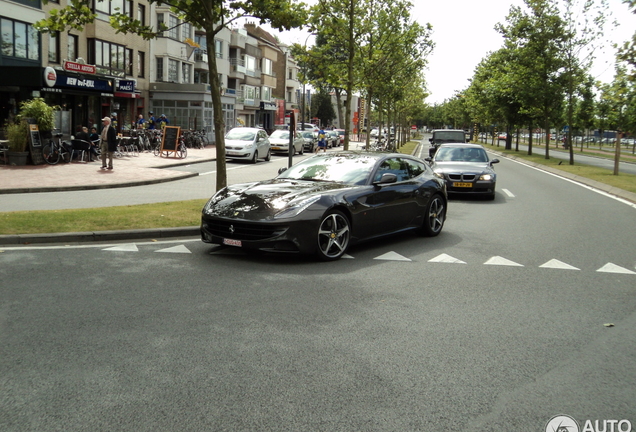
x=106, y=8
x=19, y=40
x=218, y=44
x=185, y=73
x=141, y=14
x=173, y=70
x=54, y=48
x=186, y=31
x=109, y=58
x=159, y=68
x=129, y=62
x=267, y=66
x=173, y=27
x=160, y=24
x=72, y=46
x=141, y=64
x=201, y=77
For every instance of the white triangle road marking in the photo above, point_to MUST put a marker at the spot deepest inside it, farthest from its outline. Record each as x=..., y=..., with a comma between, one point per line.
x=347, y=256
x=175, y=249
x=497, y=260
x=123, y=248
x=556, y=264
x=445, y=258
x=392, y=256
x=613, y=268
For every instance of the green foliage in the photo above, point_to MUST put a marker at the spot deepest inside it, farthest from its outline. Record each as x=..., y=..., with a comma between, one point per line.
x=322, y=108
x=38, y=109
x=17, y=135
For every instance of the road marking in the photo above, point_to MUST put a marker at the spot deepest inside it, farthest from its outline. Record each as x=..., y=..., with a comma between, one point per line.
x=613, y=268
x=497, y=260
x=445, y=258
x=556, y=264
x=391, y=256
x=175, y=249
x=124, y=248
x=510, y=194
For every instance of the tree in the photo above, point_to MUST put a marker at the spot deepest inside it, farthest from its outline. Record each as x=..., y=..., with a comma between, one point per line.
x=322, y=108
x=536, y=39
x=210, y=15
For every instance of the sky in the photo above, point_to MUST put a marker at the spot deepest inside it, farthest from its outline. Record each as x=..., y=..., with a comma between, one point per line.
x=464, y=34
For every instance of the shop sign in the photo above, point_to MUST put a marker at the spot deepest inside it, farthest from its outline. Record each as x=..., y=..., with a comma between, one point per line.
x=50, y=76
x=125, y=86
x=79, y=67
x=270, y=106
x=84, y=83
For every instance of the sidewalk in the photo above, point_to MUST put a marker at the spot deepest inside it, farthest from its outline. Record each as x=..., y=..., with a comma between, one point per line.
x=128, y=171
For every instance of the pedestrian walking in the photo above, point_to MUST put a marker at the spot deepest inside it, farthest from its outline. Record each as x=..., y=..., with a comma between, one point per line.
x=322, y=141
x=108, y=143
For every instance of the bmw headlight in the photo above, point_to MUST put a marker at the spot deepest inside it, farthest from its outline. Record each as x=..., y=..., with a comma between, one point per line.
x=294, y=208
x=486, y=177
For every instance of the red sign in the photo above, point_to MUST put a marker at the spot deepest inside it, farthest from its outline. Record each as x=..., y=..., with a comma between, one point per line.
x=414, y=127
x=78, y=67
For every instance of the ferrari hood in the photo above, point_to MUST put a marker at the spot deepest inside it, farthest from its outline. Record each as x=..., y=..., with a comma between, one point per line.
x=262, y=200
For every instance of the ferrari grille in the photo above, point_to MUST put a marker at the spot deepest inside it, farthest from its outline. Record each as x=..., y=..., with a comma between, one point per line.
x=243, y=231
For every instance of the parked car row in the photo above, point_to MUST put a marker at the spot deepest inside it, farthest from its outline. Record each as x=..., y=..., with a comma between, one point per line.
x=252, y=144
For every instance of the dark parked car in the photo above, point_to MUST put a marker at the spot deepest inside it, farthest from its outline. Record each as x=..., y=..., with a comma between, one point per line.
x=441, y=136
x=310, y=139
x=466, y=169
x=326, y=203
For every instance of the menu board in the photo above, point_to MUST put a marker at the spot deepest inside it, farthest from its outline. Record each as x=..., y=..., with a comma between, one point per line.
x=34, y=135
x=170, y=138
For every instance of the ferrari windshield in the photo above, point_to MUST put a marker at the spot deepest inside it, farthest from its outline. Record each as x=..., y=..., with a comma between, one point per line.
x=351, y=169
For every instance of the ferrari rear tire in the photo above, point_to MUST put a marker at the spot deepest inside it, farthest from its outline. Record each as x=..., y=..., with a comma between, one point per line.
x=434, y=217
x=334, y=234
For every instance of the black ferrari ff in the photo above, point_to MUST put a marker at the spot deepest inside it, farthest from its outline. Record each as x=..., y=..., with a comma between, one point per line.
x=326, y=203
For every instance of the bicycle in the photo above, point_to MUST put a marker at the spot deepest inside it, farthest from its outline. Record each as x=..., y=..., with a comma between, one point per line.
x=53, y=152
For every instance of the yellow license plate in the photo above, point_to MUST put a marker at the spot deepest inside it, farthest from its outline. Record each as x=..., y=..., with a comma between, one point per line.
x=462, y=185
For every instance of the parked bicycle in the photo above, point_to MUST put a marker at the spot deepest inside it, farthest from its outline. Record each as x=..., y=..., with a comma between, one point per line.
x=54, y=151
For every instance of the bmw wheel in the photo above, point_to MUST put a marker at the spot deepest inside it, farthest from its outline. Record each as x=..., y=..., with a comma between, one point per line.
x=434, y=217
x=333, y=236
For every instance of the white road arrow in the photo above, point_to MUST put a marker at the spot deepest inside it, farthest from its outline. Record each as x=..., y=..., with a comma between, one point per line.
x=445, y=258
x=497, y=260
x=613, y=268
x=124, y=248
x=556, y=264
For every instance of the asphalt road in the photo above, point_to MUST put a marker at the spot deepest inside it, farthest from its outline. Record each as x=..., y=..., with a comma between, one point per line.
x=522, y=309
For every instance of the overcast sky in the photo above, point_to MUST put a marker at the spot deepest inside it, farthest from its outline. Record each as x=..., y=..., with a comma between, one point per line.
x=464, y=34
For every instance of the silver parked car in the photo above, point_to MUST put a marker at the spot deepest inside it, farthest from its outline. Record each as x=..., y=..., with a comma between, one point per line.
x=279, y=142
x=245, y=143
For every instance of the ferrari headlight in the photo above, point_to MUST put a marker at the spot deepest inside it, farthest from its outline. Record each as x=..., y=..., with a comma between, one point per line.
x=439, y=174
x=215, y=198
x=296, y=207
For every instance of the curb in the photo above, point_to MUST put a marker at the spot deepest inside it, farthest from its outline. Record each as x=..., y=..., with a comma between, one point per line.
x=100, y=236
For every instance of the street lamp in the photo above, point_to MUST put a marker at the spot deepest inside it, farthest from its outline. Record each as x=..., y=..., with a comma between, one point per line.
x=302, y=115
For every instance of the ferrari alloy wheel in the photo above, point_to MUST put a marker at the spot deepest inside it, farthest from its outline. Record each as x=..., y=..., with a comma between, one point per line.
x=333, y=236
x=434, y=217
